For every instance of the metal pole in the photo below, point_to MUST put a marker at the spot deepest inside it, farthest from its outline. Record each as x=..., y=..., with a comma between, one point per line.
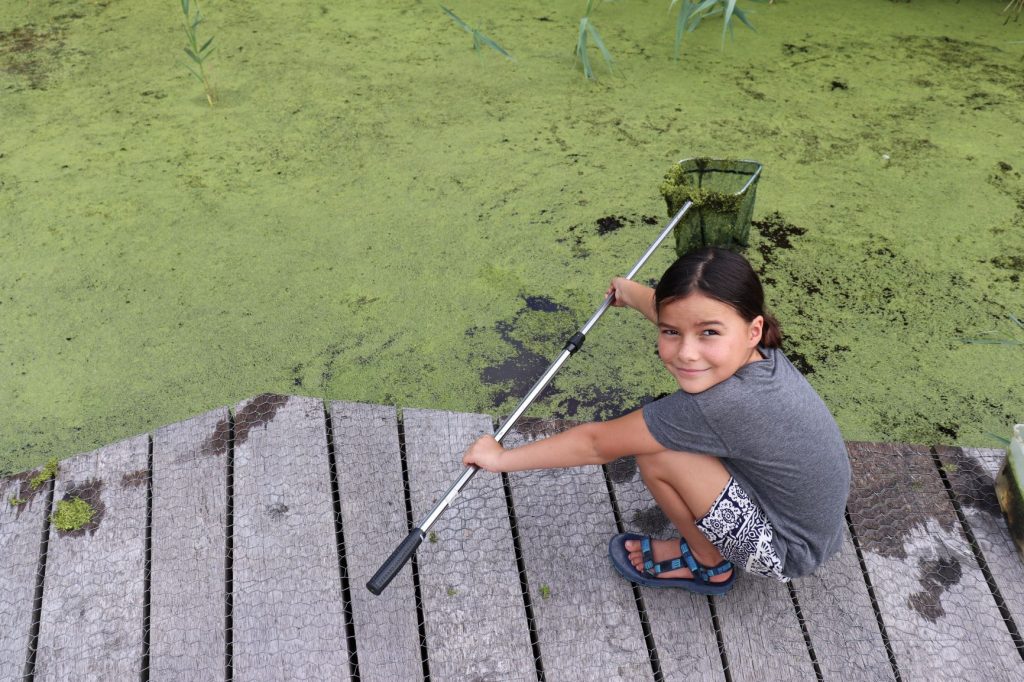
x=393, y=564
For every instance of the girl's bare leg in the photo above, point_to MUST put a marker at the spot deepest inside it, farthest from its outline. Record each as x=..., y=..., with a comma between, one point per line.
x=684, y=485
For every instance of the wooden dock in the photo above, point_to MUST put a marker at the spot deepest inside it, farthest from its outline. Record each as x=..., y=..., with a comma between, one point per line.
x=236, y=546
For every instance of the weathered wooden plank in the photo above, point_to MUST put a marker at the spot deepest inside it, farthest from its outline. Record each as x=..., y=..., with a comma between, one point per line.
x=369, y=463
x=23, y=511
x=91, y=624
x=680, y=621
x=761, y=633
x=473, y=607
x=840, y=620
x=288, y=616
x=187, y=591
x=937, y=609
x=971, y=473
x=565, y=519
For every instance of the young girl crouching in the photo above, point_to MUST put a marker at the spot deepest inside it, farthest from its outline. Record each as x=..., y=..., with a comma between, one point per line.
x=744, y=459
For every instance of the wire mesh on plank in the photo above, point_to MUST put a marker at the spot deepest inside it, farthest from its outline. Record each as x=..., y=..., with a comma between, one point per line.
x=236, y=545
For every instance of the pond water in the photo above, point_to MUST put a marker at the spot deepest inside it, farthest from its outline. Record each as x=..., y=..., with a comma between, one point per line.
x=374, y=212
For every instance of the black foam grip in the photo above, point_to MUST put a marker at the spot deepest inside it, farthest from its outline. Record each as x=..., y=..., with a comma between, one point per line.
x=390, y=568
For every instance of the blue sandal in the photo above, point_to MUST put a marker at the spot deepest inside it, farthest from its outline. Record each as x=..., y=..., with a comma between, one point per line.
x=699, y=583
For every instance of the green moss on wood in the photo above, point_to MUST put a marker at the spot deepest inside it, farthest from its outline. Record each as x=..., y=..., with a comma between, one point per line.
x=16, y=501
x=545, y=592
x=47, y=472
x=72, y=514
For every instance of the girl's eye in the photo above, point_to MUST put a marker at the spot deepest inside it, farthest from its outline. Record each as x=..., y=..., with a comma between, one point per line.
x=669, y=332
x=709, y=332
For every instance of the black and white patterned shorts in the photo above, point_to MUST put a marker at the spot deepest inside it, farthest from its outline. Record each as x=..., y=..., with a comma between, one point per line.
x=742, y=533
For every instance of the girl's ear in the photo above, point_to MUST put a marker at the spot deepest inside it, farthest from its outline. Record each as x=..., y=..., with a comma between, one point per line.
x=756, y=328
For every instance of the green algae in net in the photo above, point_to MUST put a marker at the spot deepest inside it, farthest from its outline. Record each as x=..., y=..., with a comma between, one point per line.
x=722, y=192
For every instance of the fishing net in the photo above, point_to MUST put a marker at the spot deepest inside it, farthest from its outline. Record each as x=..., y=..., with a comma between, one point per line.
x=723, y=193
x=237, y=544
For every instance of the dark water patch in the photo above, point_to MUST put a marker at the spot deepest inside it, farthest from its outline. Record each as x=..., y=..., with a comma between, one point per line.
x=516, y=374
x=535, y=428
x=277, y=510
x=28, y=52
x=19, y=488
x=609, y=224
x=1008, y=262
x=134, y=479
x=90, y=492
x=895, y=489
x=935, y=576
x=972, y=483
x=543, y=304
x=791, y=348
x=259, y=412
x=651, y=521
x=777, y=234
x=217, y=444
x=602, y=403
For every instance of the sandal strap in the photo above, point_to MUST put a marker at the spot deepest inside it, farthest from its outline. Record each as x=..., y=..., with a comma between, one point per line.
x=686, y=558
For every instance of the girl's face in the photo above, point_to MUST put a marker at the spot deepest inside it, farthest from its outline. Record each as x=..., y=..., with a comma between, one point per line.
x=703, y=342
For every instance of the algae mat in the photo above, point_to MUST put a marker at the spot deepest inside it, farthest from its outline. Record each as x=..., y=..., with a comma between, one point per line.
x=374, y=212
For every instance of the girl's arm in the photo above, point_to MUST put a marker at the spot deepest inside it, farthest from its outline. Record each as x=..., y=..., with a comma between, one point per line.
x=634, y=295
x=593, y=443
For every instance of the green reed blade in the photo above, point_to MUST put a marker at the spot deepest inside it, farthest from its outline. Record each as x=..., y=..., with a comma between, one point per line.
x=456, y=19
x=493, y=45
x=600, y=45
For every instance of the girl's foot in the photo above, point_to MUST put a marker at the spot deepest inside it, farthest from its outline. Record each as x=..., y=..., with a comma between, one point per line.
x=665, y=550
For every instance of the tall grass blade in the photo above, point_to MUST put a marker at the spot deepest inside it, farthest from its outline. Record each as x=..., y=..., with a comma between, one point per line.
x=730, y=7
x=742, y=16
x=456, y=19
x=600, y=45
x=493, y=45
x=581, y=47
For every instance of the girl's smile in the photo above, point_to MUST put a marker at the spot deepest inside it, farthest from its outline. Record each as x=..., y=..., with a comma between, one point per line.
x=703, y=342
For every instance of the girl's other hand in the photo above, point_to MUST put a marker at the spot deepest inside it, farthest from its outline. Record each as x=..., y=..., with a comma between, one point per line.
x=484, y=453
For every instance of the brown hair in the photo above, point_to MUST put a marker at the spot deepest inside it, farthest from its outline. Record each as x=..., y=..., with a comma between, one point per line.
x=724, y=276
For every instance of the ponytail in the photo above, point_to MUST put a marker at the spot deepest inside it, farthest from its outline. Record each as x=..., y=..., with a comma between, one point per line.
x=771, y=332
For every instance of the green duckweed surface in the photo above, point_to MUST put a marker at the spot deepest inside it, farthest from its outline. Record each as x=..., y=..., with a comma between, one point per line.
x=374, y=212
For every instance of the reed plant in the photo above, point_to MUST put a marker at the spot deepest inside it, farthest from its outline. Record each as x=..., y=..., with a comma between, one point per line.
x=479, y=39
x=198, y=54
x=586, y=33
x=1013, y=10
x=691, y=14
x=988, y=340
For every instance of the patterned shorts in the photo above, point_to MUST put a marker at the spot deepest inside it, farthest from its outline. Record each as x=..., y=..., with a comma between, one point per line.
x=742, y=533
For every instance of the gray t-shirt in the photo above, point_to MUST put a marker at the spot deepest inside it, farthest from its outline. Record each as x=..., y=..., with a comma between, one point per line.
x=779, y=441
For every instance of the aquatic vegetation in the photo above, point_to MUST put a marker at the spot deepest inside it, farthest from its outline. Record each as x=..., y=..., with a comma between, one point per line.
x=478, y=37
x=72, y=514
x=589, y=31
x=1013, y=9
x=998, y=341
x=691, y=14
x=196, y=53
x=47, y=472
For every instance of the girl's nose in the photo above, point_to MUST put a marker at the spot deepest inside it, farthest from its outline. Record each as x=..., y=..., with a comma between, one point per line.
x=688, y=350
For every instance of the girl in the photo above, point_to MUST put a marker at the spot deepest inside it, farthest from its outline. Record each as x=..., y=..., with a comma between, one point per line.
x=745, y=459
